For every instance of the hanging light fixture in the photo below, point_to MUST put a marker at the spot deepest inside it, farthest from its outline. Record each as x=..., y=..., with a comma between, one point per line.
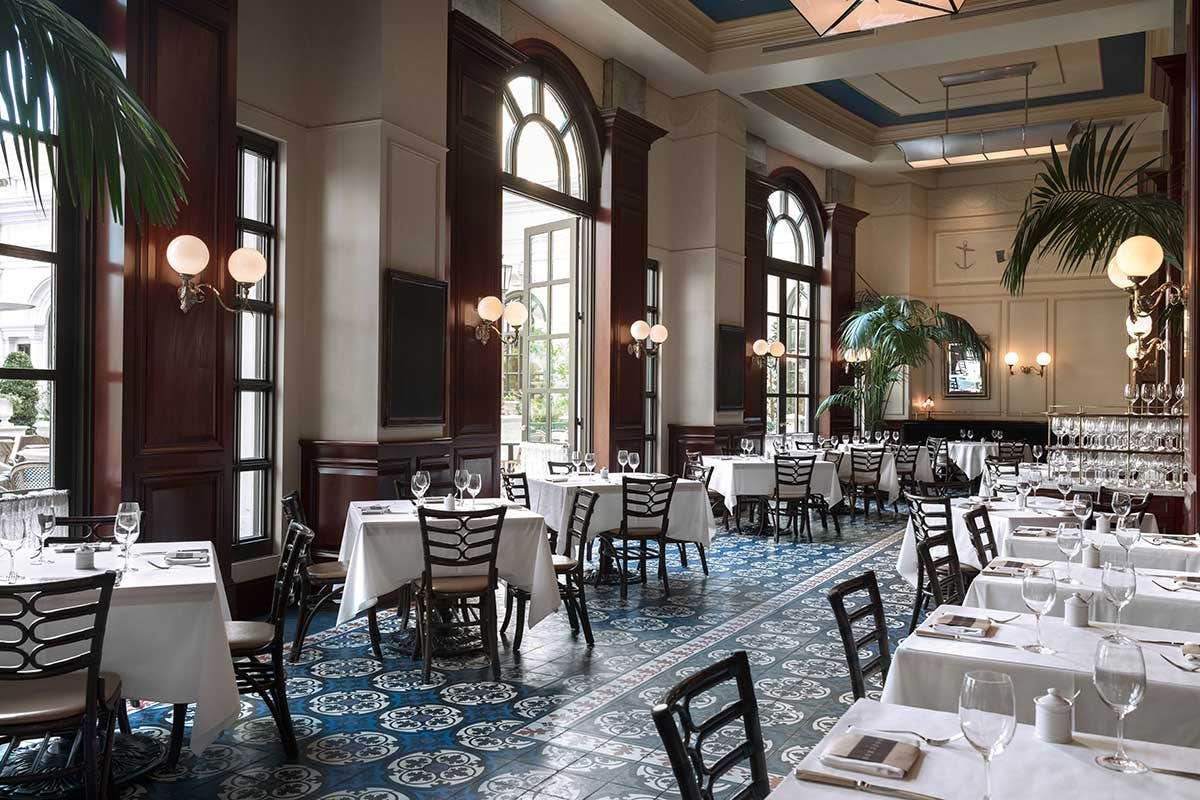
x=1020, y=141
x=832, y=17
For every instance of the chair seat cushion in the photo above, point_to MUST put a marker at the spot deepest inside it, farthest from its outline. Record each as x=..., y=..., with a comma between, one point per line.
x=632, y=533
x=247, y=637
x=327, y=571
x=457, y=584
x=62, y=697
x=564, y=563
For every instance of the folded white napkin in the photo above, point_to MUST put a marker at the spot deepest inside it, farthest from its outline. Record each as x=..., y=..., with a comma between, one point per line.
x=196, y=557
x=1191, y=651
x=963, y=625
x=878, y=769
x=1033, y=530
x=1008, y=566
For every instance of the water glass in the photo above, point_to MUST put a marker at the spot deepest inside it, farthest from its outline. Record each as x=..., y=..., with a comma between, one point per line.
x=635, y=460
x=46, y=524
x=125, y=530
x=1128, y=533
x=1119, y=583
x=576, y=460
x=12, y=536
x=1063, y=481
x=1119, y=675
x=622, y=459
x=1024, y=487
x=589, y=461
x=987, y=713
x=474, y=486
x=462, y=477
x=1038, y=590
x=420, y=485
x=1070, y=542
x=1121, y=504
x=1082, y=508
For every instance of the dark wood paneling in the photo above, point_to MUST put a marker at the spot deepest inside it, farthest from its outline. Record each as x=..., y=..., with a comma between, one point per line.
x=332, y=474
x=399, y=460
x=758, y=188
x=1192, y=258
x=710, y=440
x=838, y=287
x=1028, y=431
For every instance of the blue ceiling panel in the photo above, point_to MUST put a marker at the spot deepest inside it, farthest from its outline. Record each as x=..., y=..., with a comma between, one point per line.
x=729, y=10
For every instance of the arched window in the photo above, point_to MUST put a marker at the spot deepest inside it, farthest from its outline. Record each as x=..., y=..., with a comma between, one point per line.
x=789, y=230
x=541, y=137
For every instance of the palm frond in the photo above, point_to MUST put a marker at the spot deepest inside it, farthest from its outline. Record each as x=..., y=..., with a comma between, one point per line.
x=55, y=71
x=1082, y=210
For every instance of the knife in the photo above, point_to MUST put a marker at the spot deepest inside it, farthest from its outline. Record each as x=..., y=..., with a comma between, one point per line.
x=957, y=638
x=1160, y=641
x=862, y=786
x=1178, y=773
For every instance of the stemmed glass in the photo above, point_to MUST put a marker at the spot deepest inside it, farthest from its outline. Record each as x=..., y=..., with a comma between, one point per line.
x=589, y=461
x=12, y=536
x=1023, y=486
x=1039, y=592
x=988, y=716
x=1063, y=482
x=1163, y=392
x=895, y=437
x=46, y=523
x=1119, y=583
x=1128, y=534
x=635, y=459
x=1120, y=678
x=998, y=435
x=125, y=531
x=962, y=434
x=1070, y=542
x=577, y=460
x=1131, y=395
x=1035, y=480
x=1037, y=453
x=622, y=459
x=845, y=439
x=970, y=435
x=461, y=478
x=474, y=486
x=1082, y=508
x=420, y=485
x=1121, y=504
x=1147, y=395
x=1180, y=395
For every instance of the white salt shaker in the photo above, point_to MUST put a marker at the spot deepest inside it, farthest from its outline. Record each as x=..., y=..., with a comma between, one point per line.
x=1052, y=720
x=1103, y=525
x=1091, y=556
x=451, y=502
x=85, y=557
x=1076, y=609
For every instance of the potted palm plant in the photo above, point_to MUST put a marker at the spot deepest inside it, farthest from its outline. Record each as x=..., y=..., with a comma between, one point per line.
x=885, y=336
x=66, y=107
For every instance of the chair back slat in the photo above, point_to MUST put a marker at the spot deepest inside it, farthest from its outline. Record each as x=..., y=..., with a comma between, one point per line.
x=865, y=463
x=939, y=451
x=979, y=525
x=684, y=736
x=293, y=511
x=54, y=628
x=693, y=457
x=560, y=467
x=906, y=456
x=930, y=515
x=881, y=660
x=1011, y=450
x=295, y=552
x=697, y=472
x=942, y=572
x=452, y=540
x=647, y=498
x=87, y=528
x=579, y=522
x=793, y=475
x=516, y=487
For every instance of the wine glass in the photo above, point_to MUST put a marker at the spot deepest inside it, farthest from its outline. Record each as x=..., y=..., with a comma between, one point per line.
x=461, y=478
x=895, y=437
x=1119, y=675
x=962, y=434
x=1035, y=480
x=970, y=434
x=987, y=713
x=12, y=536
x=845, y=439
x=125, y=530
x=998, y=435
x=1082, y=508
x=1180, y=394
x=589, y=461
x=1063, y=481
x=635, y=459
x=622, y=459
x=1128, y=534
x=1131, y=395
x=879, y=436
x=1163, y=393
x=1147, y=395
x=576, y=460
x=420, y=485
x=1121, y=504
x=1037, y=453
x=1038, y=590
x=46, y=524
x=474, y=486
x=1023, y=485
x=1119, y=583
x=1070, y=542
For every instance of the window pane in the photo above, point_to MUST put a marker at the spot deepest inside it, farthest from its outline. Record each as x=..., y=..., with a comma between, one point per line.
x=23, y=221
x=560, y=254
x=560, y=363
x=808, y=244
x=537, y=311
x=560, y=417
x=252, y=494
x=790, y=369
x=798, y=297
x=792, y=341
x=772, y=328
x=773, y=293
x=803, y=425
x=539, y=257
x=256, y=187
x=252, y=425
x=522, y=92
x=783, y=244
x=793, y=296
x=26, y=426
x=260, y=290
x=537, y=363
x=775, y=203
x=772, y=376
x=537, y=159
x=802, y=346
x=537, y=417
x=790, y=419
x=560, y=308
x=574, y=170
x=772, y=415
x=802, y=369
x=254, y=344
x=792, y=207
x=552, y=109
x=26, y=329
x=507, y=123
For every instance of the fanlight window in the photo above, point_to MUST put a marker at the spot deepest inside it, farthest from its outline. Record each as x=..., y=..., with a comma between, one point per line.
x=541, y=137
x=789, y=230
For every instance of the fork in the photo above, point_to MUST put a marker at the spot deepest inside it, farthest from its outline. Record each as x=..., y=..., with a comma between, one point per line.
x=1177, y=665
x=929, y=740
x=1002, y=621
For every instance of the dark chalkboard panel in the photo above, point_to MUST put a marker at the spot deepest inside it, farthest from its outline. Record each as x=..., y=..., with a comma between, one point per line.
x=413, y=347
x=731, y=366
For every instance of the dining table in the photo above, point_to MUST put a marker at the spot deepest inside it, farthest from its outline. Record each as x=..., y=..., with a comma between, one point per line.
x=1027, y=768
x=971, y=457
x=1159, y=599
x=690, y=517
x=1005, y=516
x=165, y=634
x=382, y=551
x=927, y=672
x=1152, y=551
x=889, y=478
x=754, y=476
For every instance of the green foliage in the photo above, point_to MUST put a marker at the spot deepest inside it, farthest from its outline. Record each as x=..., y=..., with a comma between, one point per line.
x=899, y=332
x=22, y=392
x=55, y=64
x=1083, y=210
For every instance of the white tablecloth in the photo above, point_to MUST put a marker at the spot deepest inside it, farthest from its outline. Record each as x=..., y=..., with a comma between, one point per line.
x=1144, y=555
x=690, y=515
x=889, y=481
x=971, y=456
x=382, y=552
x=166, y=633
x=536, y=457
x=1005, y=517
x=1028, y=768
x=734, y=476
x=1151, y=605
x=928, y=673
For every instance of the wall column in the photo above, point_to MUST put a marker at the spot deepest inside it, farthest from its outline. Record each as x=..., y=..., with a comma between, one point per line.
x=754, y=319
x=838, y=287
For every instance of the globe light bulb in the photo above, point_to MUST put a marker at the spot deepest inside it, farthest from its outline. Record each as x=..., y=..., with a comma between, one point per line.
x=1044, y=359
x=777, y=349
x=247, y=265
x=1140, y=327
x=1131, y=350
x=516, y=314
x=1139, y=256
x=187, y=255
x=639, y=330
x=1118, y=278
x=659, y=334
x=490, y=308
x=864, y=354
x=760, y=347
x=850, y=356
x=1011, y=358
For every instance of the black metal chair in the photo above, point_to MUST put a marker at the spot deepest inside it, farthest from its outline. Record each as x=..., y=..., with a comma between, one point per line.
x=560, y=467
x=881, y=660
x=88, y=527
x=940, y=465
x=1012, y=451
x=788, y=503
x=51, y=685
x=569, y=567
x=947, y=489
x=684, y=737
x=452, y=541
x=945, y=583
x=642, y=499
x=865, y=466
x=516, y=487
x=805, y=441
x=703, y=475
x=1138, y=506
x=979, y=525
x=998, y=468
x=931, y=518
x=906, y=457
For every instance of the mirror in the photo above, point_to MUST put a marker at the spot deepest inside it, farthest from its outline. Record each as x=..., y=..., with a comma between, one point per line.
x=966, y=372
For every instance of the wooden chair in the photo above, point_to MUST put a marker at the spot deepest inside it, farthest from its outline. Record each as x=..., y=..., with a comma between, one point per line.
x=693, y=457
x=51, y=685
x=939, y=458
x=641, y=499
x=979, y=525
x=684, y=737
x=568, y=567
x=931, y=518
x=946, y=578
x=1138, y=507
x=805, y=441
x=702, y=475
x=906, y=457
x=865, y=465
x=998, y=468
x=881, y=661
x=788, y=503
x=453, y=541
x=1011, y=451
x=516, y=487
x=560, y=467
x=950, y=488
x=88, y=527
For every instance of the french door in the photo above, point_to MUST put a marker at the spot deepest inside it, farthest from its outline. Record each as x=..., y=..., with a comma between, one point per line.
x=548, y=341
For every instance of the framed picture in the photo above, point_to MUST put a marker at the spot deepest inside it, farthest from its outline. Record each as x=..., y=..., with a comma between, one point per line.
x=412, y=380
x=966, y=372
x=731, y=367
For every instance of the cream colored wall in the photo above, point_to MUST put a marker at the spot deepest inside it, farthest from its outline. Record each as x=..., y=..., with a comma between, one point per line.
x=906, y=246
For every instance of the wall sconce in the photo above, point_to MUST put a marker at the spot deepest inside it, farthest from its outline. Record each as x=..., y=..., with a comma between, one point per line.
x=764, y=350
x=491, y=309
x=926, y=407
x=188, y=256
x=1137, y=259
x=856, y=356
x=1012, y=359
x=641, y=331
